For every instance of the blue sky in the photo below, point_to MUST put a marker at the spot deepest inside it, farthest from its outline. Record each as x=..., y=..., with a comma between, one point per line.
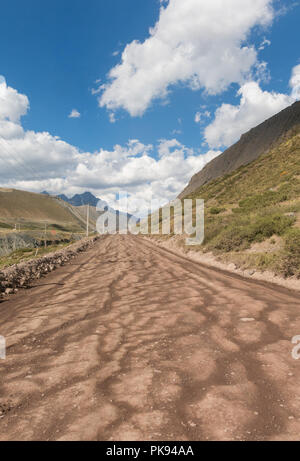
x=54, y=52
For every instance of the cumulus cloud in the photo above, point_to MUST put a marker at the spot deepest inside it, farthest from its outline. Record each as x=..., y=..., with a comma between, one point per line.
x=10, y=129
x=74, y=114
x=255, y=106
x=198, y=43
x=35, y=156
x=12, y=104
x=39, y=161
x=136, y=169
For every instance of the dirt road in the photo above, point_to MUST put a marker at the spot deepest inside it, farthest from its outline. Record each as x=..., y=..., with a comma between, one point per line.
x=131, y=342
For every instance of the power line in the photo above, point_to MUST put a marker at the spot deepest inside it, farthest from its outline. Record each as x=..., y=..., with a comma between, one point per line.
x=45, y=236
x=16, y=156
x=17, y=165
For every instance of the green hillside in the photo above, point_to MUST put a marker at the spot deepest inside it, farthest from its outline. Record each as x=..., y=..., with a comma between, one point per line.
x=253, y=214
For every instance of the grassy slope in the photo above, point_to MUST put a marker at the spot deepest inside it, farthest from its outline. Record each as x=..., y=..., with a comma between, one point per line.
x=253, y=214
x=25, y=254
x=33, y=210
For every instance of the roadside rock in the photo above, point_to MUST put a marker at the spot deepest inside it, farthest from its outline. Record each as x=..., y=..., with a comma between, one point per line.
x=21, y=275
x=232, y=267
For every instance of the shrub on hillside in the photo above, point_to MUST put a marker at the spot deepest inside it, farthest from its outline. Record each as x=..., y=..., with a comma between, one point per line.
x=269, y=225
x=291, y=260
x=231, y=239
x=236, y=237
x=264, y=200
x=216, y=210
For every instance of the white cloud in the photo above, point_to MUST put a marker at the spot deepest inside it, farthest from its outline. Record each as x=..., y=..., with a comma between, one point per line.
x=99, y=87
x=74, y=114
x=261, y=72
x=38, y=164
x=295, y=82
x=10, y=129
x=255, y=107
x=35, y=157
x=264, y=44
x=39, y=161
x=112, y=117
x=198, y=117
x=12, y=104
x=96, y=90
x=201, y=115
x=199, y=43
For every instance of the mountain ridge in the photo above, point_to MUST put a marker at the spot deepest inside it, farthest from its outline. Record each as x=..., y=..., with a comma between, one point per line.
x=251, y=145
x=86, y=198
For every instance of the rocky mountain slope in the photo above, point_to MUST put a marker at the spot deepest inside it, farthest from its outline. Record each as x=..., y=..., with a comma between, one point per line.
x=252, y=145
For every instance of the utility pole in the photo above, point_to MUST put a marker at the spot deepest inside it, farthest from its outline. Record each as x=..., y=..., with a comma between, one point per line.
x=45, y=239
x=87, y=220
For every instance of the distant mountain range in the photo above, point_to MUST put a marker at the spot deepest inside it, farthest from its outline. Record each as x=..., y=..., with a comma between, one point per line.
x=87, y=198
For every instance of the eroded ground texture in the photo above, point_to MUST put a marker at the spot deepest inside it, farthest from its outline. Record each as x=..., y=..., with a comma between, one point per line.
x=131, y=342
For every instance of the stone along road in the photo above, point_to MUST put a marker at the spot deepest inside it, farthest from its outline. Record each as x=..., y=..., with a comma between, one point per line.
x=132, y=342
